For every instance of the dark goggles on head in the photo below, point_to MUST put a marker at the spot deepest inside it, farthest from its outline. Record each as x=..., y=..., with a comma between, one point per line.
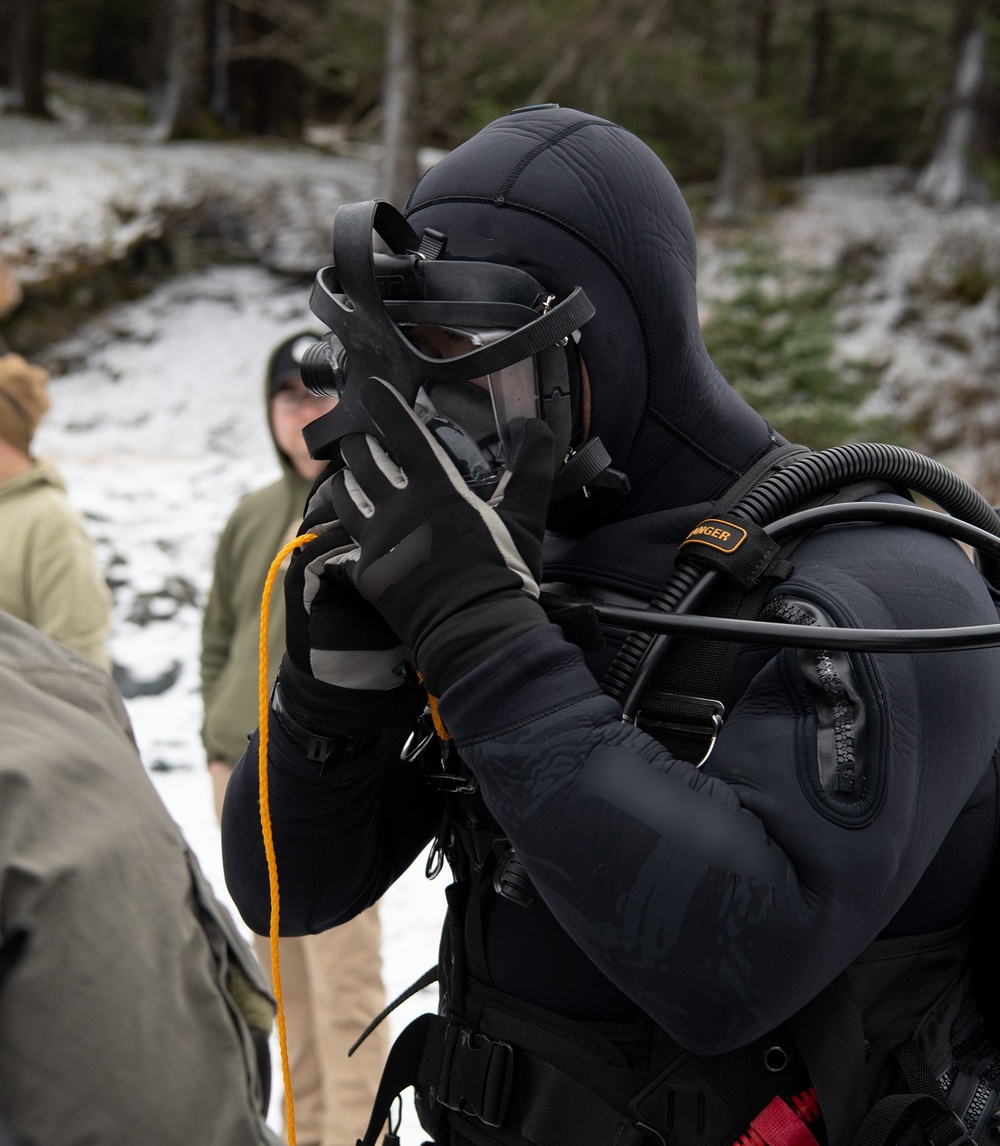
x=471, y=346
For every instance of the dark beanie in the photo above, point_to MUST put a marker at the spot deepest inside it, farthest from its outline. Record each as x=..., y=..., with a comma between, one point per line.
x=283, y=365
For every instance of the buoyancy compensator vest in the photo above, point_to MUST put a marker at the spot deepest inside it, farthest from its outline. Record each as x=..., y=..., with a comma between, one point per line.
x=898, y=1049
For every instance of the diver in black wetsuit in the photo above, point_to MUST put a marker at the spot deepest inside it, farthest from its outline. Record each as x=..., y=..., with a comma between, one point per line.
x=641, y=945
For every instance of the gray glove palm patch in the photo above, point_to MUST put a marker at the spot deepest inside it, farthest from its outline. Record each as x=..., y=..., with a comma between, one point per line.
x=438, y=562
x=344, y=641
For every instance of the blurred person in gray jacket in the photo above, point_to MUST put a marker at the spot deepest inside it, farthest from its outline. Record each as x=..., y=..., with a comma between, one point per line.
x=130, y=1008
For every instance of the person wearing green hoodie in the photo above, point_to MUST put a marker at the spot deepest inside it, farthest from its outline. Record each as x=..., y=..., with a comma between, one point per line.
x=49, y=575
x=332, y=983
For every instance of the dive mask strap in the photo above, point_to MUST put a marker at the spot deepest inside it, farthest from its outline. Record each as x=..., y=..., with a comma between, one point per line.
x=590, y=465
x=390, y=356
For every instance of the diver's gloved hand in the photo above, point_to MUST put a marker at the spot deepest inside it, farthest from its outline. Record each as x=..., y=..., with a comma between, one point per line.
x=343, y=666
x=454, y=576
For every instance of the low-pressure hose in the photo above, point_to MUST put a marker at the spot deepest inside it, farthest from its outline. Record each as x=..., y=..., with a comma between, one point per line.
x=806, y=477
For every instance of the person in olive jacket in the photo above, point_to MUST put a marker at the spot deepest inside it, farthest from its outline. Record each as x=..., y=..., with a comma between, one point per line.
x=49, y=576
x=332, y=982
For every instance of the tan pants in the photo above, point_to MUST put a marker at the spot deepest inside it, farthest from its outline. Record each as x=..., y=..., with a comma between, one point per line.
x=332, y=988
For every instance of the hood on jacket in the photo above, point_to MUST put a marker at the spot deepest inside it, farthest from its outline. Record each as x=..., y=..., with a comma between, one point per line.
x=579, y=201
x=40, y=472
x=278, y=363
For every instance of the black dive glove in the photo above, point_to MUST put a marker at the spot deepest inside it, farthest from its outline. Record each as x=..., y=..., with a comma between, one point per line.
x=344, y=671
x=454, y=576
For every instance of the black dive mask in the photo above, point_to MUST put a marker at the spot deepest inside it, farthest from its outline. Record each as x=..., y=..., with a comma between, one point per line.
x=471, y=346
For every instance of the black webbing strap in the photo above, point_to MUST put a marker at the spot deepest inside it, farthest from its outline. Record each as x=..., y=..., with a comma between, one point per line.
x=892, y=1118
x=703, y=668
x=425, y=980
x=831, y=1039
x=475, y=1076
x=589, y=465
x=551, y=1109
x=405, y=1066
x=916, y=1071
x=736, y=546
x=775, y=459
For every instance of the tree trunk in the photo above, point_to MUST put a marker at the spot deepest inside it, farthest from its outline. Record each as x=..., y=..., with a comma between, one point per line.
x=816, y=100
x=179, y=106
x=220, y=62
x=748, y=46
x=26, y=59
x=737, y=192
x=400, y=131
x=947, y=180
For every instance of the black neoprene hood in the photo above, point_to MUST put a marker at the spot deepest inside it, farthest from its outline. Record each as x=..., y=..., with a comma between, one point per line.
x=579, y=201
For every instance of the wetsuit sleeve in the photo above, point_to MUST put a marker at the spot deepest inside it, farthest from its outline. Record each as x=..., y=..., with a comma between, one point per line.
x=722, y=900
x=340, y=838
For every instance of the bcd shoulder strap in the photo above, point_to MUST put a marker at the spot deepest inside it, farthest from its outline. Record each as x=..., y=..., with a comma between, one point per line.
x=692, y=689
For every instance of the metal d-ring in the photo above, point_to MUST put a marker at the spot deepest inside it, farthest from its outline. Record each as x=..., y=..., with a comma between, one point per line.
x=435, y=861
x=716, y=729
x=411, y=749
x=652, y=725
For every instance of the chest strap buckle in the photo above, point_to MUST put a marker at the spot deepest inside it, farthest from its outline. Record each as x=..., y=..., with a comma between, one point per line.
x=476, y=1075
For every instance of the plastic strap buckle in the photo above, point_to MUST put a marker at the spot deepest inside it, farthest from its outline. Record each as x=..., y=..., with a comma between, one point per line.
x=945, y=1129
x=476, y=1075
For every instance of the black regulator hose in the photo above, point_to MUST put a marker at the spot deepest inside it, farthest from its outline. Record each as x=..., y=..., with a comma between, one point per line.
x=806, y=477
x=958, y=639
x=785, y=635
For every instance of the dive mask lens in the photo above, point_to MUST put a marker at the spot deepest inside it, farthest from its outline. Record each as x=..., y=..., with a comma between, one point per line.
x=474, y=464
x=483, y=408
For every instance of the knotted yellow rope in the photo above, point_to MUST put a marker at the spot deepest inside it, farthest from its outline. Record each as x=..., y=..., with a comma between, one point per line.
x=265, y=815
x=432, y=704
x=265, y=824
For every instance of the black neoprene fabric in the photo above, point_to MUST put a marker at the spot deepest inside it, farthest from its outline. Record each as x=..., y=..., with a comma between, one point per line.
x=718, y=901
x=576, y=200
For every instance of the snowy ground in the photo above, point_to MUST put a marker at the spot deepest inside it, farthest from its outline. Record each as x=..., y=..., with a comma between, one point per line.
x=921, y=303
x=158, y=427
x=70, y=202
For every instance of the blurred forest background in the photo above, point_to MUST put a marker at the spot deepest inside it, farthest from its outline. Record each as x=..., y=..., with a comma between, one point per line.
x=735, y=91
x=751, y=103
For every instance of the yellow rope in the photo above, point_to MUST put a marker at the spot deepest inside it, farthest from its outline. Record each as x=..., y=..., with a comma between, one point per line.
x=265, y=815
x=265, y=824
x=439, y=728
x=432, y=704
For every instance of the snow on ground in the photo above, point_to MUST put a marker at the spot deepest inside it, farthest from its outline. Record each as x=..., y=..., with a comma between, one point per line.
x=158, y=427
x=921, y=303
x=69, y=203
